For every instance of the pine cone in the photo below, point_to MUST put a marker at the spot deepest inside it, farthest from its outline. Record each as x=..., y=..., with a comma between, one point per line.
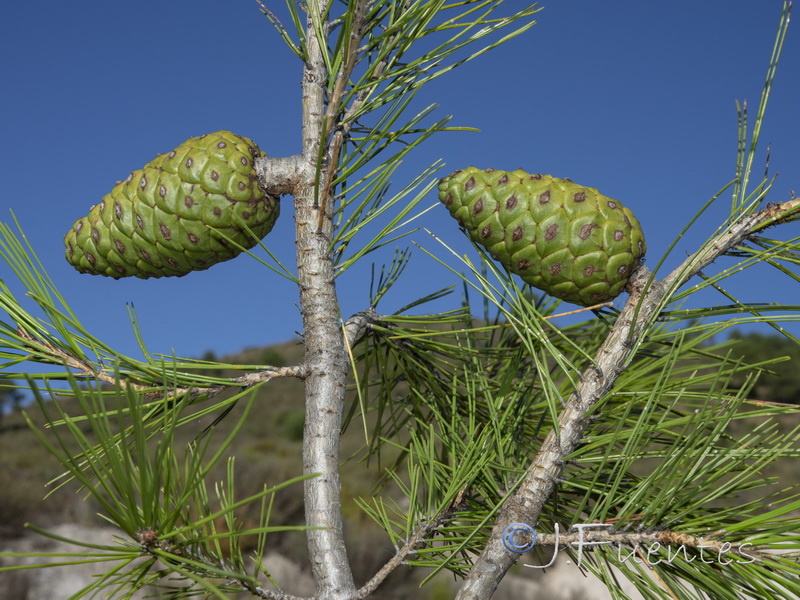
x=565, y=239
x=172, y=217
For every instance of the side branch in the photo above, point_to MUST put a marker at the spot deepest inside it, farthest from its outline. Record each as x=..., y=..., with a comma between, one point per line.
x=651, y=540
x=733, y=236
x=247, y=381
x=46, y=353
x=279, y=175
x=356, y=326
x=646, y=300
x=417, y=540
x=401, y=554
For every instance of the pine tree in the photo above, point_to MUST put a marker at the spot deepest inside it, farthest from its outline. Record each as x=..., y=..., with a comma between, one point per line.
x=502, y=431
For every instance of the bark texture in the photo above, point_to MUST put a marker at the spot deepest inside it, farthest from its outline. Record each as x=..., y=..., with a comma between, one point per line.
x=325, y=361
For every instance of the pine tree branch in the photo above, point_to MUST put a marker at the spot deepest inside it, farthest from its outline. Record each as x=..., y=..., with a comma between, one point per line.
x=326, y=360
x=653, y=541
x=276, y=595
x=279, y=175
x=356, y=326
x=247, y=381
x=422, y=533
x=336, y=99
x=401, y=554
x=418, y=539
x=647, y=298
x=742, y=228
x=46, y=353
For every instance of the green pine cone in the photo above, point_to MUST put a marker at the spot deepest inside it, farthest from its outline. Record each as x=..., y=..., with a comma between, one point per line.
x=174, y=215
x=565, y=239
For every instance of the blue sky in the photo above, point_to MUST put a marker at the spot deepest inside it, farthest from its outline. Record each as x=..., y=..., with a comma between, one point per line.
x=633, y=98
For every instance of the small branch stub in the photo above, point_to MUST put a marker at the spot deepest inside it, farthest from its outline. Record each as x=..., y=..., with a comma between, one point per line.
x=279, y=175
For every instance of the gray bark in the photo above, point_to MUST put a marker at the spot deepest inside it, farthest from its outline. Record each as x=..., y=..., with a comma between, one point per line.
x=326, y=362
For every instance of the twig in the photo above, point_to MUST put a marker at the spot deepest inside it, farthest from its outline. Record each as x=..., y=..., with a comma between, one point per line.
x=356, y=326
x=334, y=107
x=653, y=540
x=270, y=15
x=419, y=537
x=335, y=103
x=279, y=175
x=248, y=380
x=59, y=356
x=282, y=31
x=647, y=298
x=415, y=541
